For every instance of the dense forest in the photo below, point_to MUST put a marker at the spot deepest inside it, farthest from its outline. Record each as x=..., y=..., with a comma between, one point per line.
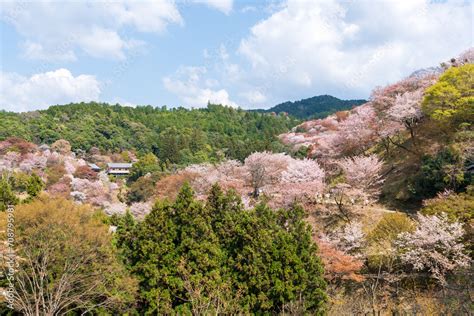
x=316, y=107
x=179, y=136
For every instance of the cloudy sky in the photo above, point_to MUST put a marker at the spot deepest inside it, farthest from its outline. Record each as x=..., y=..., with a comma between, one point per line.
x=245, y=53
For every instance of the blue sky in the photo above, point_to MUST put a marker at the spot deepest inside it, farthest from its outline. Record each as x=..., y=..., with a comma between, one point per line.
x=252, y=54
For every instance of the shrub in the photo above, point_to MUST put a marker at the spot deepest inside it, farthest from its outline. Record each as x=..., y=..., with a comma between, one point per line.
x=35, y=185
x=54, y=173
x=141, y=190
x=458, y=207
x=388, y=228
x=381, y=251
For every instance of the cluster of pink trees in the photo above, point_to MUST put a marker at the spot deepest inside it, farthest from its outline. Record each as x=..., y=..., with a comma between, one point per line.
x=283, y=179
x=94, y=192
x=390, y=110
x=278, y=176
x=435, y=246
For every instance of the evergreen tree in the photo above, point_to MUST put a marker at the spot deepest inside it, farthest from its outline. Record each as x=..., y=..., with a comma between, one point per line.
x=217, y=257
x=34, y=185
x=7, y=196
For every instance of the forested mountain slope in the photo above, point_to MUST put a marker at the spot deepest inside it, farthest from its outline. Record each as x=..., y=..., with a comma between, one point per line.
x=316, y=107
x=177, y=135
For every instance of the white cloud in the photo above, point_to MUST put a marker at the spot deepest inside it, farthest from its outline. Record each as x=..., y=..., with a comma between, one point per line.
x=186, y=85
x=55, y=30
x=254, y=96
x=19, y=94
x=224, y=6
x=33, y=50
x=346, y=48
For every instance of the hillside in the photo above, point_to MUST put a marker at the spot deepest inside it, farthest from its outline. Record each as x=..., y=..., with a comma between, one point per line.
x=178, y=135
x=374, y=212
x=316, y=107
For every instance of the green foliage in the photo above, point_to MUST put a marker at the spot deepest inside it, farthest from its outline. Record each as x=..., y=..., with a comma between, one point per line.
x=446, y=170
x=7, y=196
x=216, y=257
x=451, y=100
x=315, y=107
x=19, y=181
x=458, y=207
x=380, y=250
x=149, y=163
x=142, y=189
x=176, y=136
x=390, y=226
x=34, y=185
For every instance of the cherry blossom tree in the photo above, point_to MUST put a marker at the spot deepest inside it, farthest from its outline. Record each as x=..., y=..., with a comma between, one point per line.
x=11, y=159
x=78, y=196
x=31, y=162
x=282, y=178
x=357, y=132
x=363, y=173
x=61, y=188
x=115, y=208
x=434, y=246
x=349, y=238
x=303, y=171
x=407, y=110
x=302, y=178
x=94, y=191
x=264, y=168
x=61, y=146
x=17, y=145
x=140, y=209
x=229, y=174
x=466, y=57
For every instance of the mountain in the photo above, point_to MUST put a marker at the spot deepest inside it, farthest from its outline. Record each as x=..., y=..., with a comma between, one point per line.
x=177, y=135
x=315, y=107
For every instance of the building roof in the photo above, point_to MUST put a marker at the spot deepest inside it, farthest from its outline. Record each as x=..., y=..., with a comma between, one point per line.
x=120, y=165
x=93, y=166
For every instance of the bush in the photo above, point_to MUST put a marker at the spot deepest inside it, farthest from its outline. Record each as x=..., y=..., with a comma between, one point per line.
x=388, y=228
x=141, y=190
x=54, y=173
x=458, y=207
x=35, y=185
x=7, y=196
x=381, y=249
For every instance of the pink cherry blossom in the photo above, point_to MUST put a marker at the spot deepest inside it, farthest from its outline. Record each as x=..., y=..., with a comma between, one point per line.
x=434, y=246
